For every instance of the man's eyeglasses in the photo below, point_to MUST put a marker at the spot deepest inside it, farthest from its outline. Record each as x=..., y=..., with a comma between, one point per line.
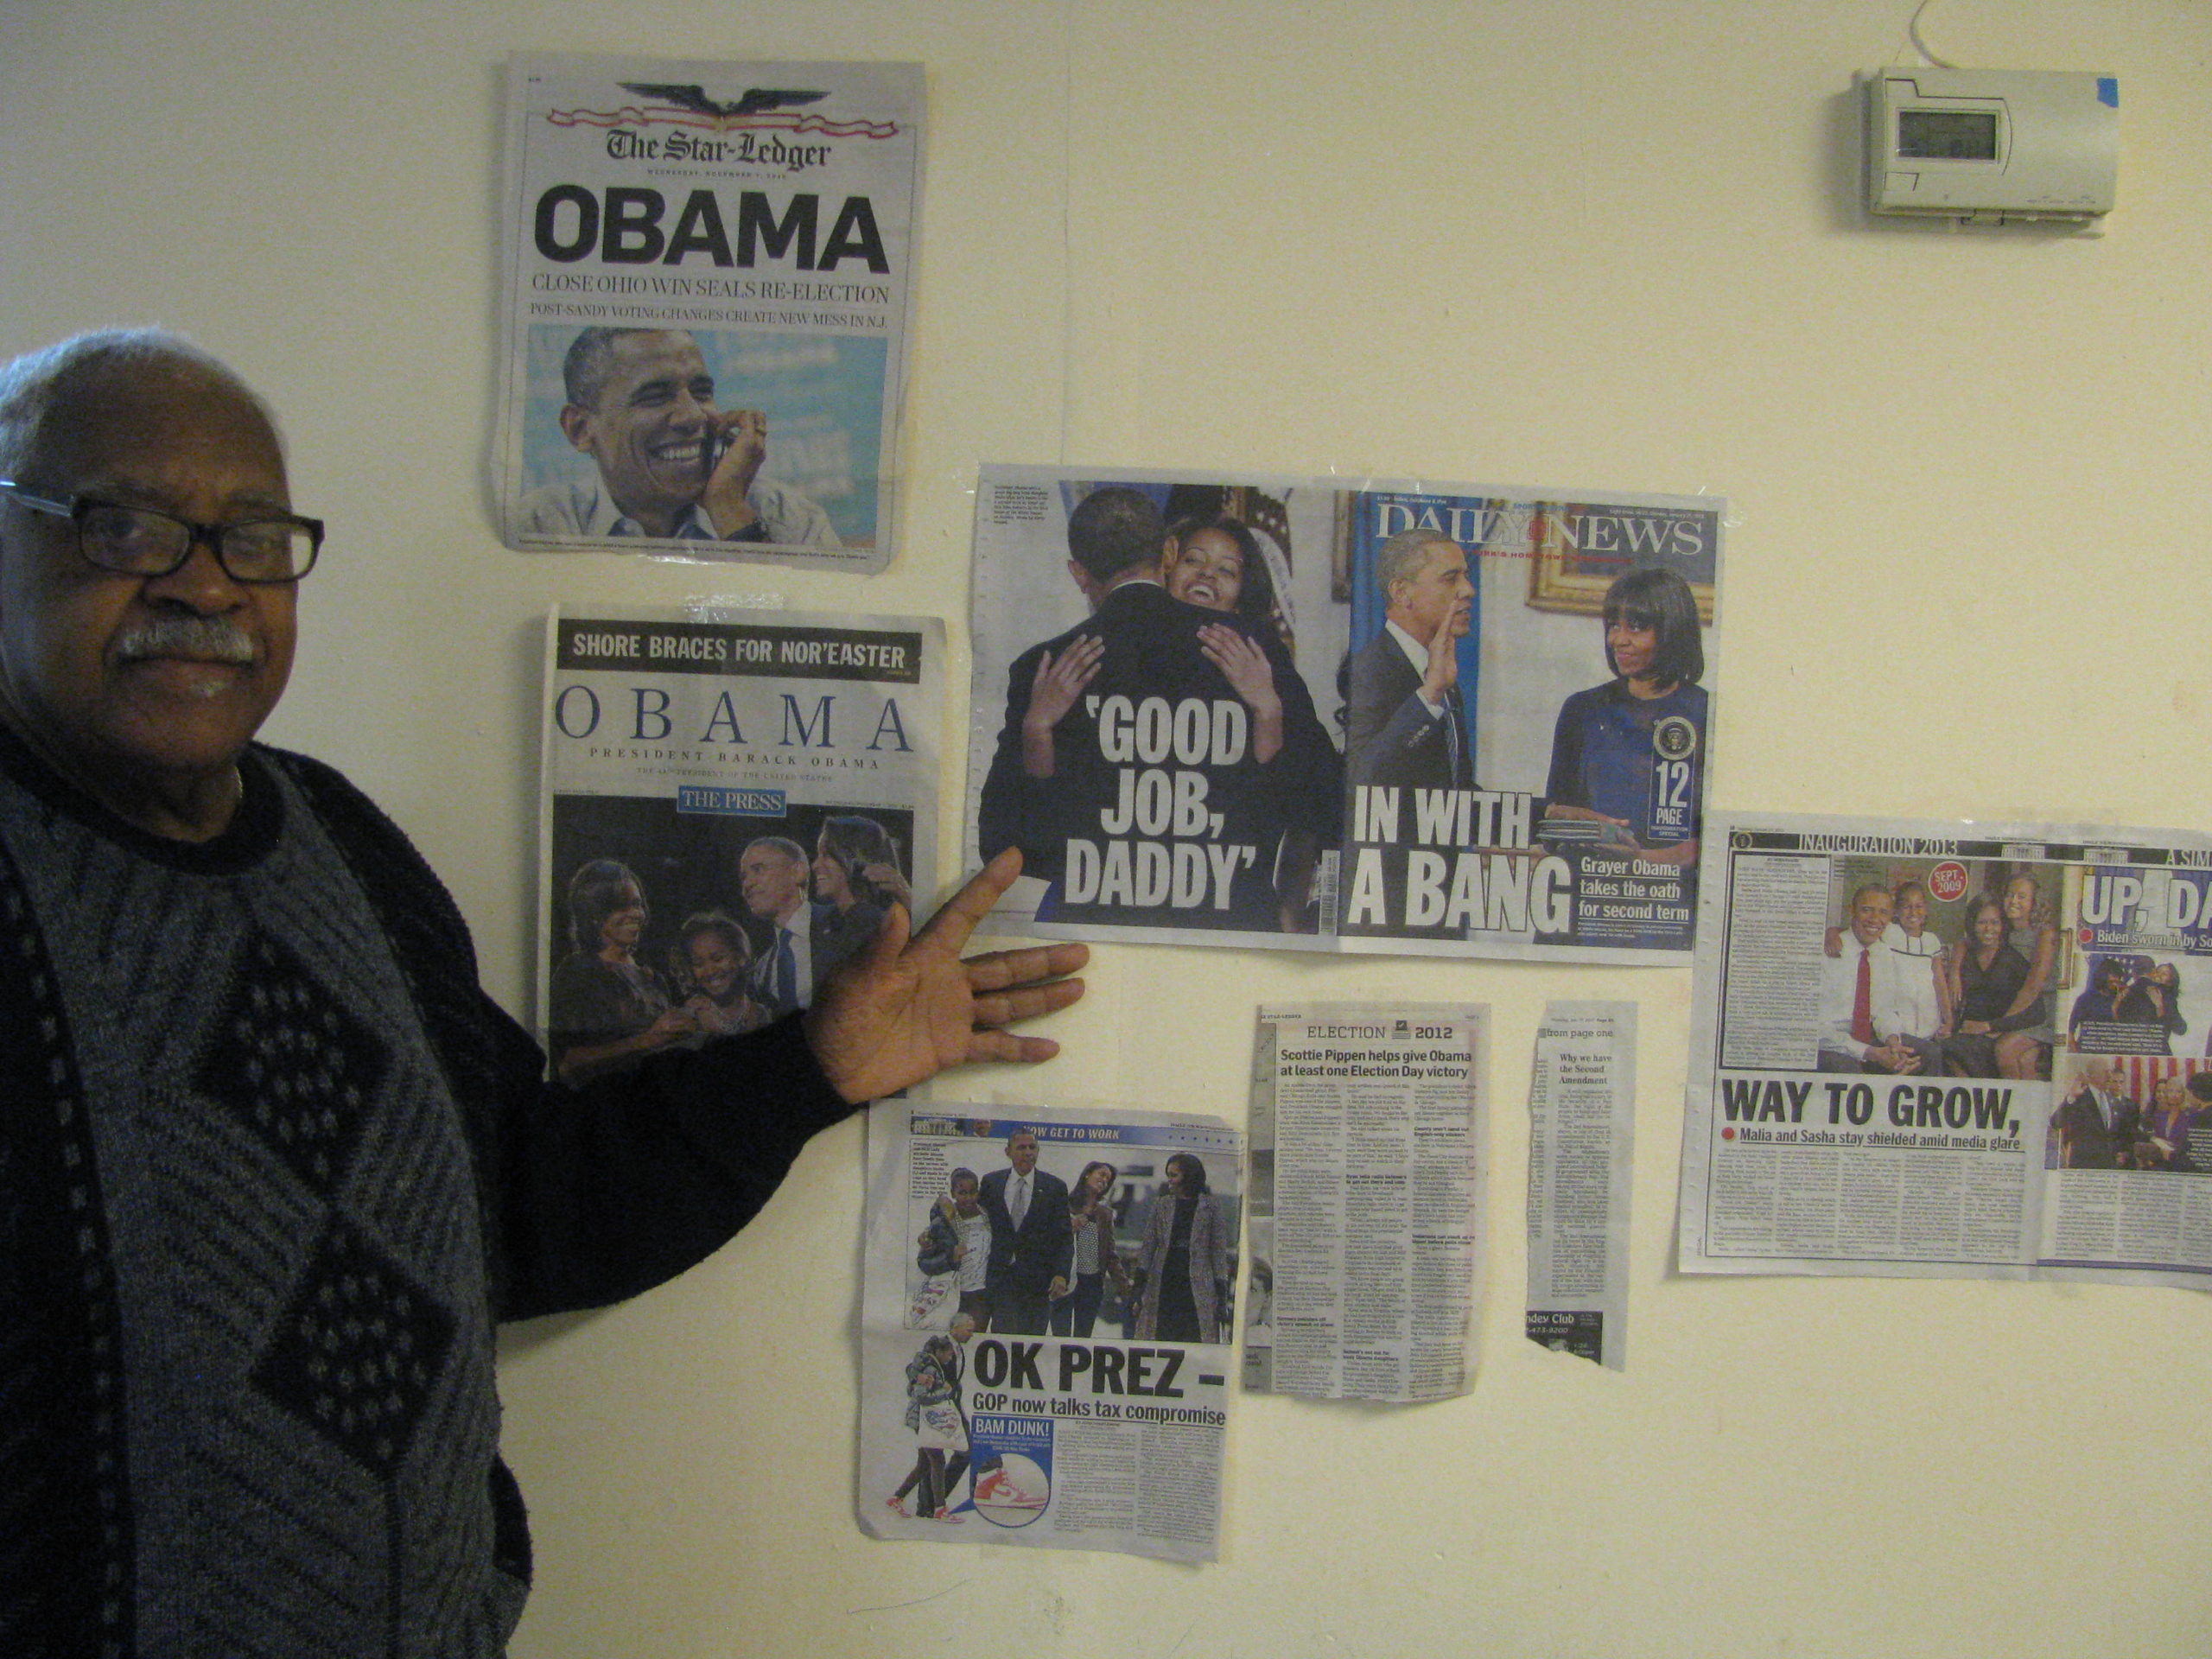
x=141, y=542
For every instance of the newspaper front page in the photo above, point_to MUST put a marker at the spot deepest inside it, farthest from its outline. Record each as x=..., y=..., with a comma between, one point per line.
x=707, y=292
x=1925, y=1048
x=728, y=807
x=1582, y=1159
x=1368, y=1149
x=1303, y=714
x=1045, y=1346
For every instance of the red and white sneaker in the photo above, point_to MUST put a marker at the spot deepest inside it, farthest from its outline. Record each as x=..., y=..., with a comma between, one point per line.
x=896, y=1508
x=998, y=1490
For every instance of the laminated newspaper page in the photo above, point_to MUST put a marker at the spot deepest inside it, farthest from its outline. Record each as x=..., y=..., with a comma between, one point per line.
x=1448, y=719
x=1581, y=1158
x=1045, y=1354
x=1369, y=1152
x=707, y=292
x=1926, y=1048
x=728, y=809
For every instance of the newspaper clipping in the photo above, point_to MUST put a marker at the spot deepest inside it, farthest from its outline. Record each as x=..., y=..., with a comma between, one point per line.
x=709, y=287
x=728, y=808
x=1947, y=1049
x=1368, y=1150
x=1460, y=720
x=1045, y=1343
x=1581, y=1157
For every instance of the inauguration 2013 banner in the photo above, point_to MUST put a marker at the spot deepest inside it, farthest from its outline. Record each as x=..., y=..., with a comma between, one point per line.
x=707, y=290
x=1302, y=713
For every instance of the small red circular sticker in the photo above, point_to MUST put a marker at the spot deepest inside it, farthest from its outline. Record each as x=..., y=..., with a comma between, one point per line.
x=1947, y=881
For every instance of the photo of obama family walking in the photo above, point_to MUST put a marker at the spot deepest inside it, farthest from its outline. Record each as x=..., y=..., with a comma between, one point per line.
x=1148, y=1244
x=1138, y=1246
x=1971, y=968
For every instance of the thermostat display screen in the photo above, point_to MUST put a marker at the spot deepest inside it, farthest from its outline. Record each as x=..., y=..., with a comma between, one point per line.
x=1947, y=136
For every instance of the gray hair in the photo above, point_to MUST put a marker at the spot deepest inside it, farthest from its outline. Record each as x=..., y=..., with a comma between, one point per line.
x=36, y=386
x=1400, y=557
x=589, y=362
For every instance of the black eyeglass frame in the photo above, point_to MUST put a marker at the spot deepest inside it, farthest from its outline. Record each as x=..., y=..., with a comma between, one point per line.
x=77, y=506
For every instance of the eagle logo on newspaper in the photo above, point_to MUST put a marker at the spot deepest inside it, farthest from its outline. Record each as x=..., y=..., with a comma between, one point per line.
x=757, y=100
x=687, y=104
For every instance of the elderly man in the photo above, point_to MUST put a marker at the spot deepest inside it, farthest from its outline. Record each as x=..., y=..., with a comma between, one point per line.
x=1407, y=727
x=1866, y=1006
x=272, y=1165
x=671, y=463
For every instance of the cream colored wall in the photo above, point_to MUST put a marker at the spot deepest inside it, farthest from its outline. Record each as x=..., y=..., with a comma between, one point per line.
x=1600, y=245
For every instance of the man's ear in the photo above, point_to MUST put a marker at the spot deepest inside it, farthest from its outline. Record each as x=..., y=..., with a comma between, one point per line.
x=1084, y=581
x=575, y=425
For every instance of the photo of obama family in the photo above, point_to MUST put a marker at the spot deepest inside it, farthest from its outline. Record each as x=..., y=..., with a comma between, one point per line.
x=1943, y=968
x=1125, y=1236
x=666, y=929
x=1969, y=968
x=1098, y=1229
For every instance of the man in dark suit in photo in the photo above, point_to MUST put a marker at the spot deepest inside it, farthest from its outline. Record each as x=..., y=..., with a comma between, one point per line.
x=1032, y=1249
x=1407, y=726
x=1060, y=783
x=772, y=874
x=2097, y=1124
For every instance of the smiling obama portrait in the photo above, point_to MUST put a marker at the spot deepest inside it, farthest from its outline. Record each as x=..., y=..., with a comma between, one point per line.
x=273, y=1166
x=671, y=463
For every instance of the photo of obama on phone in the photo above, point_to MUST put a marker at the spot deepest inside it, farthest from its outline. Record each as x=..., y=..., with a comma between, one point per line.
x=736, y=440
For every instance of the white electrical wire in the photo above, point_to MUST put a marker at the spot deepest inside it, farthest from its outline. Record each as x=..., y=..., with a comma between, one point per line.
x=1920, y=41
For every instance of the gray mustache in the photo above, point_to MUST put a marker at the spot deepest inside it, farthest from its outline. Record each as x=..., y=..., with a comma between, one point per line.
x=212, y=639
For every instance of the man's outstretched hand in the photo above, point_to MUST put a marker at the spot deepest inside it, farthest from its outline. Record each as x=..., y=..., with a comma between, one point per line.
x=903, y=1008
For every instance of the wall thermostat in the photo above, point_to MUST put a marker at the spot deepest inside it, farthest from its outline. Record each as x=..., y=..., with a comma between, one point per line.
x=1992, y=145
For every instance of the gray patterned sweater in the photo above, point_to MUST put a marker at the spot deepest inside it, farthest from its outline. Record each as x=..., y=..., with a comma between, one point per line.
x=272, y=1166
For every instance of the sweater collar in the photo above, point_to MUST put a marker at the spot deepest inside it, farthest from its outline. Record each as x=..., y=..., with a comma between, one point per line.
x=252, y=833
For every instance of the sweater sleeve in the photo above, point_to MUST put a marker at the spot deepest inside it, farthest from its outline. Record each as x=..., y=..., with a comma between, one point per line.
x=609, y=1189
x=593, y=1193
